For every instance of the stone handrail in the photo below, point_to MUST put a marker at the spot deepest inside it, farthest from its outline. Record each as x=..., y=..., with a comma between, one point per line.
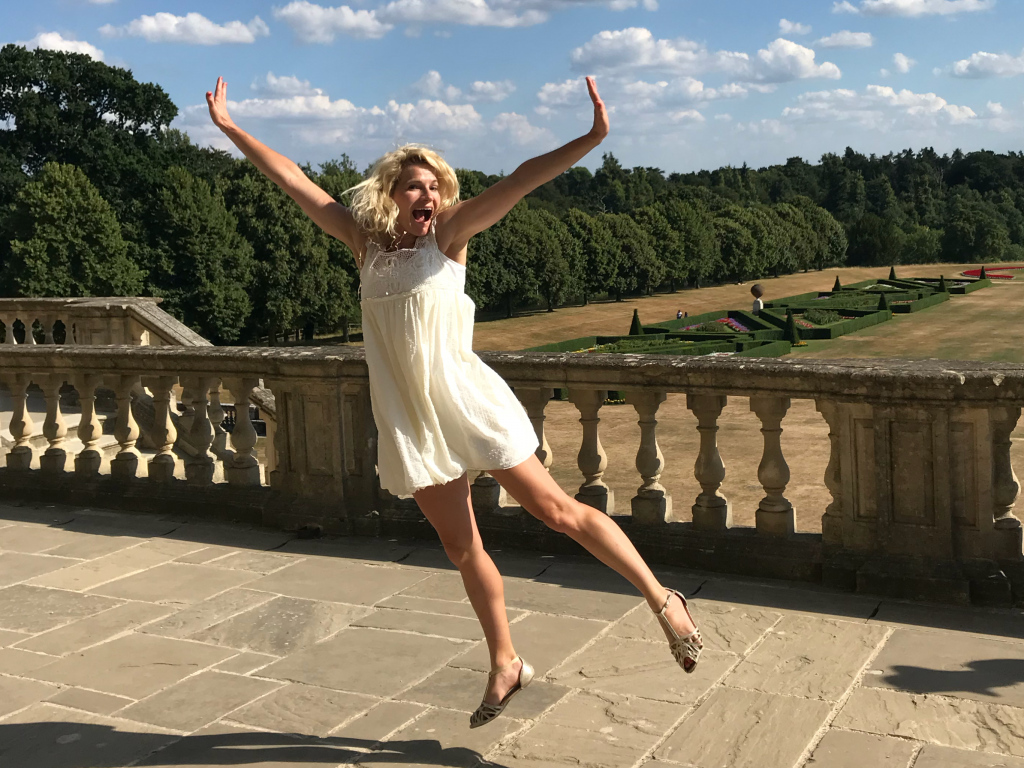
x=920, y=476
x=99, y=321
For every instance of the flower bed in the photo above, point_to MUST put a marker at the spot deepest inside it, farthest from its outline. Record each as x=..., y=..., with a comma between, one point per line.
x=994, y=273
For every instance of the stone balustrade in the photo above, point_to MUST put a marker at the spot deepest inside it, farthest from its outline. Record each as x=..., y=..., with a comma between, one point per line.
x=94, y=321
x=921, y=483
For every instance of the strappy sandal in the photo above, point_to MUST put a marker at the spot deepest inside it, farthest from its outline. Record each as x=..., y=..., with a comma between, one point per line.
x=685, y=650
x=487, y=712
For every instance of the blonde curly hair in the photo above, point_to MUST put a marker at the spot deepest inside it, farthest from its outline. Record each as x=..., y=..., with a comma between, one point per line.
x=371, y=204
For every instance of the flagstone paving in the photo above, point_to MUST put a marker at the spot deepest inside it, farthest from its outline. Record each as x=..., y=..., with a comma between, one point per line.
x=131, y=640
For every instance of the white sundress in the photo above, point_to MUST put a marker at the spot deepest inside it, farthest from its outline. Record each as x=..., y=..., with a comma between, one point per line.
x=440, y=411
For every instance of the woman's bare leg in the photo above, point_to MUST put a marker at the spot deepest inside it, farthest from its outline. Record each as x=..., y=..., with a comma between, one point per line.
x=449, y=509
x=533, y=487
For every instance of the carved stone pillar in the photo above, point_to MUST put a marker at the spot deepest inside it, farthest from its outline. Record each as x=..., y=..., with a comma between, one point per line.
x=652, y=504
x=485, y=493
x=711, y=511
x=592, y=459
x=1005, y=487
x=243, y=468
x=163, y=433
x=220, y=436
x=88, y=461
x=832, y=520
x=22, y=427
x=48, y=323
x=125, y=465
x=199, y=466
x=30, y=336
x=8, y=322
x=54, y=429
x=775, y=514
x=535, y=401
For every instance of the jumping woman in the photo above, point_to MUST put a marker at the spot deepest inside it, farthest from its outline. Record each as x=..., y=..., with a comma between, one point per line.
x=439, y=410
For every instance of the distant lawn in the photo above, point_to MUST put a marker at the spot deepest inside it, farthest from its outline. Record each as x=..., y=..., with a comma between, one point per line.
x=984, y=325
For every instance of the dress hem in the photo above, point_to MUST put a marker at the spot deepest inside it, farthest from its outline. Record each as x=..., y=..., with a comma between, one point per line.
x=506, y=465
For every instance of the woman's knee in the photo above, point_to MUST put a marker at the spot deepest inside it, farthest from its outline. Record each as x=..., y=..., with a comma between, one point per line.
x=460, y=549
x=562, y=514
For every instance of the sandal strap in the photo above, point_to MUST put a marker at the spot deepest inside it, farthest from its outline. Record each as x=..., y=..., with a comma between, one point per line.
x=499, y=670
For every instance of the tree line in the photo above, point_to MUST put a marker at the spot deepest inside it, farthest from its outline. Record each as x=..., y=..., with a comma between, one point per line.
x=98, y=196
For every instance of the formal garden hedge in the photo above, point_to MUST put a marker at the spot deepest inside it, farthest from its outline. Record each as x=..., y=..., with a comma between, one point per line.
x=781, y=324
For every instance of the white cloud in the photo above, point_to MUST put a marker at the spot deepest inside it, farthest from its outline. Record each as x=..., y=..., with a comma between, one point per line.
x=476, y=13
x=487, y=90
x=631, y=50
x=787, y=27
x=783, y=60
x=636, y=48
x=271, y=85
x=191, y=28
x=884, y=72
x=724, y=117
x=433, y=85
x=995, y=109
x=55, y=41
x=913, y=8
x=313, y=23
x=877, y=108
x=903, y=63
x=984, y=64
x=635, y=97
x=847, y=39
x=520, y=131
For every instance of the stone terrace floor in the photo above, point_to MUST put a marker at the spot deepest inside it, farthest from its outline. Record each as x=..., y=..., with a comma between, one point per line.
x=130, y=640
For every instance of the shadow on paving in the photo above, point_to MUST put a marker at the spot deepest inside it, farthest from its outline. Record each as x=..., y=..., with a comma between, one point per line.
x=86, y=745
x=984, y=677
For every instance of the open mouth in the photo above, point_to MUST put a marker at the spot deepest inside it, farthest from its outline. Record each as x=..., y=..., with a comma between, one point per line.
x=422, y=215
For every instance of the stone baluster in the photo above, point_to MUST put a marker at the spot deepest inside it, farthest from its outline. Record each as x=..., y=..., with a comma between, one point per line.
x=220, y=436
x=535, y=401
x=652, y=504
x=592, y=459
x=199, y=467
x=485, y=494
x=1005, y=487
x=163, y=434
x=8, y=321
x=22, y=427
x=832, y=520
x=48, y=323
x=69, y=330
x=775, y=514
x=54, y=429
x=243, y=468
x=125, y=465
x=711, y=511
x=88, y=461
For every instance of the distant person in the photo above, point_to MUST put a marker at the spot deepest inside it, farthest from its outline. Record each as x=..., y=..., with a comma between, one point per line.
x=679, y=315
x=757, y=292
x=439, y=409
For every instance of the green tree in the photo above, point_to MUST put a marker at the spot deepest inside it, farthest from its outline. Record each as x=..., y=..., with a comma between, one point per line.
x=66, y=241
x=695, y=225
x=601, y=257
x=668, y=243
x=204, y=266
x=639, y=267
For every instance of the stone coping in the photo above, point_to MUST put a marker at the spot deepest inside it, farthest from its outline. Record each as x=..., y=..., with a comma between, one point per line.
x=917, y=382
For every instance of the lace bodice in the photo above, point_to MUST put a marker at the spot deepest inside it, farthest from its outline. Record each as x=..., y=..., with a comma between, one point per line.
x=408, y=270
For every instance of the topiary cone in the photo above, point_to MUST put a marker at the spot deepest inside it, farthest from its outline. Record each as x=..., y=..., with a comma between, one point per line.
x=838, y=286
x=892, y=273
x=942, y=284
x=982, y=275
x=883, y=303
x=792, y=333
x=635, y=329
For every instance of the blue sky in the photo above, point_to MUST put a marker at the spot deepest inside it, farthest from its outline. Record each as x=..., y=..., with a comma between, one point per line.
x=492, y=82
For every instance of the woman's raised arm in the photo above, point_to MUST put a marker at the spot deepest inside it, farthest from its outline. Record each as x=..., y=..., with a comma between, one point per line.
x=330, y=215
x=477, y=214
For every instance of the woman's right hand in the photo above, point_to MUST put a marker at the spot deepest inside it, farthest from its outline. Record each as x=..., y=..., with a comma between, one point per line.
x=217, y=100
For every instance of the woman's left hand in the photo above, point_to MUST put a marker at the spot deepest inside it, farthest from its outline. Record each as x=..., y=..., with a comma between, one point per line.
x=600, y=129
